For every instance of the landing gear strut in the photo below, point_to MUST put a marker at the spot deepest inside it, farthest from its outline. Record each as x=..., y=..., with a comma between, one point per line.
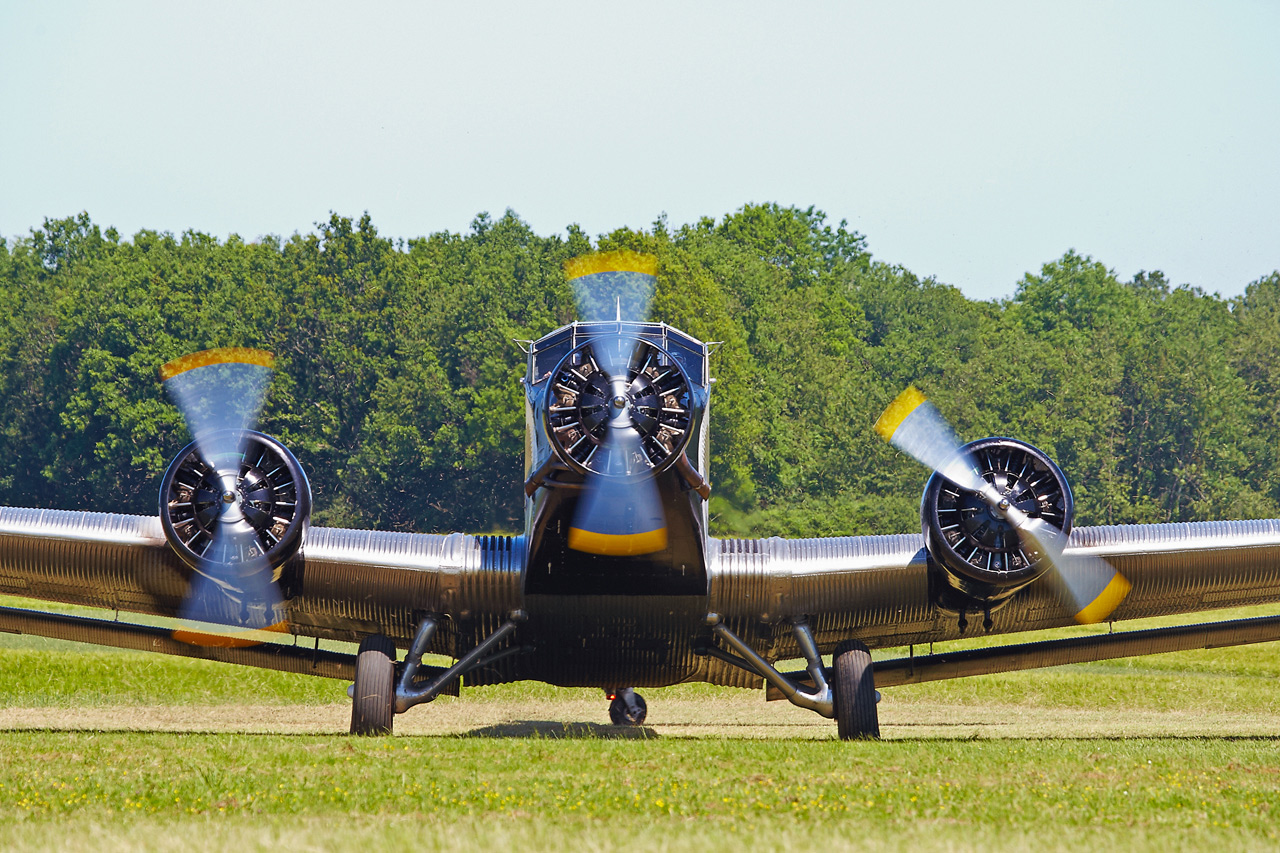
x=379, y=694
x=627, y=707
x=845, y=692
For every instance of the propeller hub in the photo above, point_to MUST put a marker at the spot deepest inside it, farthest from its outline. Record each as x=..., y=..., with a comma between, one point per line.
x=229, y=501
x=619, y=405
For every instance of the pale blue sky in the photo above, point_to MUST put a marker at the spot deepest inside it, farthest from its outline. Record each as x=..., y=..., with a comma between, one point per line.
x=968, y=141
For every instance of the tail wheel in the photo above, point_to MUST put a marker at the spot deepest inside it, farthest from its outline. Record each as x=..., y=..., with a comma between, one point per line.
x=373, y=699
x=855, y=692
x=628, y=708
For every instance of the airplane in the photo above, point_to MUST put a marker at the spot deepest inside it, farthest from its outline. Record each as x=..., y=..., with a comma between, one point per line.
x=616, y=582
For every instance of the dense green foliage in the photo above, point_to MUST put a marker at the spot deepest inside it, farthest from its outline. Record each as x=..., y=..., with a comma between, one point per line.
x=397, y=375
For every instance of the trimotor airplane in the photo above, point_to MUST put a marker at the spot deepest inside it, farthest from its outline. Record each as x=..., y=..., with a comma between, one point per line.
x=616, y=582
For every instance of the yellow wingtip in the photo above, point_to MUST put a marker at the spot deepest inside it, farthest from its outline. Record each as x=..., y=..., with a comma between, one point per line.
x=904, y=404
x=1106, y=602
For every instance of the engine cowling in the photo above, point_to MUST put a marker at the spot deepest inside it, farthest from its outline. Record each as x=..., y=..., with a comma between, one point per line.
x=263, y=483
x=977, y=558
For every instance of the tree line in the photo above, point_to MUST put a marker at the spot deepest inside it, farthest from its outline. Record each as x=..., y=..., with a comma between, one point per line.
x=397, y=387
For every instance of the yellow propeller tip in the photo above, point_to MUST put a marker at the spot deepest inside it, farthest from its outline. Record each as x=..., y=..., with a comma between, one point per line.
x=902, y=406
x=615, y=544
x=1106, y=602
x=236, y=640
x=223, y=355
x=621, y=260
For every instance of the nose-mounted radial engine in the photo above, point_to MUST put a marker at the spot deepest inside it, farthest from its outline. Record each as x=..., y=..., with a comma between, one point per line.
x=615, y=460
x=619, y=412
x=234, y=503
x=613, y=386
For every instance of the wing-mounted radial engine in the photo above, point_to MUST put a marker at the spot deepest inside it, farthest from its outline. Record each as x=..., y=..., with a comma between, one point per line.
x=996, y=514
x=234, y=503
x=259, y=490
x=978, y=557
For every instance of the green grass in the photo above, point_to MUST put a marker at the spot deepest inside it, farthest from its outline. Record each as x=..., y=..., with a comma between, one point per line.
x=53, y=673
x=199, y=791
x=1174, y=752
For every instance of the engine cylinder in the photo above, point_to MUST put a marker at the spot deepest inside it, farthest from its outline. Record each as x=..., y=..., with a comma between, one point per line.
x=977, y=557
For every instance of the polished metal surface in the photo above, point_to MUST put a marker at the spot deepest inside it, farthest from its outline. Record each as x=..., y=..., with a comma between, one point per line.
x=876, y=588
x=347, y=584
x=351, y=583
x=868, y=587
x=814, y=695
x=1174, y=568
x=119, y=562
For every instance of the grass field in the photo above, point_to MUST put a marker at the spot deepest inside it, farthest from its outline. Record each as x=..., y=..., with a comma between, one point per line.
x=107, y=750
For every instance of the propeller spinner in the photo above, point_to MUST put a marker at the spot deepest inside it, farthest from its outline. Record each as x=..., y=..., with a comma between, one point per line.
x=1091, y=586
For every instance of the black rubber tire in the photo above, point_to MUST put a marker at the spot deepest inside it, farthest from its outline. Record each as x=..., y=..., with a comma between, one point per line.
x=621, y=715
x=373, y=702
x=855, y=693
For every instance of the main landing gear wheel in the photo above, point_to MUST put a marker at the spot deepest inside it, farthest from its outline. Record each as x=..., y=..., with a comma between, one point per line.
x=627, y=708
x=374, y=695
x=855, y=692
